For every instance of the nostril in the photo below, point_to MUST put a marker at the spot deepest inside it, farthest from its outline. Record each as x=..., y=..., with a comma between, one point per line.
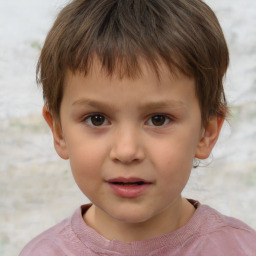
x=127, y=154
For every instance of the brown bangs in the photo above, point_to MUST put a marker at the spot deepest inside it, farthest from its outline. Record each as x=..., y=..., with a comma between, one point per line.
x=185, y=35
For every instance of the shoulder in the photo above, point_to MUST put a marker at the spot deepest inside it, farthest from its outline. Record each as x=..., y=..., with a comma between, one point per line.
x=216, y=221
x=59, y=240
x=47, y=242
x=222, y=235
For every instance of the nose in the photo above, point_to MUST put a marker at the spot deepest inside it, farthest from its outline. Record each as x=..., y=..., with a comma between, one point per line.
x=127, y=146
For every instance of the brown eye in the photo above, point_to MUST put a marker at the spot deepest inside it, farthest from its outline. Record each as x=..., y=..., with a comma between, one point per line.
x=159, y=120
x=96, y=120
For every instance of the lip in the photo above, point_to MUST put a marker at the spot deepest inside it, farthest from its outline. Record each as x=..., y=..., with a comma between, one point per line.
x=128, y=187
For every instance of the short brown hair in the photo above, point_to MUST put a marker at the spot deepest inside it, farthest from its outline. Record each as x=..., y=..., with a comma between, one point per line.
x=184, y=34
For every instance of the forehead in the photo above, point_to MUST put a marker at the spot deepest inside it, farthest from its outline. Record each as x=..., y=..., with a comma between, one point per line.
x=147, y=86
x=122, y=70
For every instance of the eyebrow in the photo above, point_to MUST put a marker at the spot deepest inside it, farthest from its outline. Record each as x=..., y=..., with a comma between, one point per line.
x=93, y=103
x=143, y=106
x=163, y=104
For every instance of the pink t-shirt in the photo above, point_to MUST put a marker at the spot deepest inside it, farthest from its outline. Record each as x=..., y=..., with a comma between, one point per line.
x=208, y=233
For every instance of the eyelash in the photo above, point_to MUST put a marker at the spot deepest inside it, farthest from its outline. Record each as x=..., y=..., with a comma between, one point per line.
x=167, y=119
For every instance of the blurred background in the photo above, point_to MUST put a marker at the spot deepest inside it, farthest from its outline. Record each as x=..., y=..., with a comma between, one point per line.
x=36, y=187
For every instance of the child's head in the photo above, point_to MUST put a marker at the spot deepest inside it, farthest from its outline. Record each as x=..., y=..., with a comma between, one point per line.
x=133, y=92
x=183, y=34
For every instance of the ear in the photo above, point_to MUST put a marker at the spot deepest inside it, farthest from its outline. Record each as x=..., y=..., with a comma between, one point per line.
x=209, y=137
x=59, y=141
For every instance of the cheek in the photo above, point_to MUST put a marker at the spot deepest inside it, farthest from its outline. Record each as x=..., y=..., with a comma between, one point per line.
x=86, y=159
x=174, y=153
x=173, y=161
x=85, y=170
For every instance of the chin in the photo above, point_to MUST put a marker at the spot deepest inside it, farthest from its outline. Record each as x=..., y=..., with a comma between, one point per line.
x=131, y=217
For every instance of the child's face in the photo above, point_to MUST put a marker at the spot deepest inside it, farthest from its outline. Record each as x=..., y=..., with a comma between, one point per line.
x=131, y=142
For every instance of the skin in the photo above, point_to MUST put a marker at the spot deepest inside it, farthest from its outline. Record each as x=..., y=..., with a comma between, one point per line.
x=126, y=142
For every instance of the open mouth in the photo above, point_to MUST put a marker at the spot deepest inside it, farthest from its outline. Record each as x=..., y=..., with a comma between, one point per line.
x=129, y=187
x=137, y=183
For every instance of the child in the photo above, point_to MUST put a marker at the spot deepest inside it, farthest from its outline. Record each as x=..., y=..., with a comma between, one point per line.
x=133, y=95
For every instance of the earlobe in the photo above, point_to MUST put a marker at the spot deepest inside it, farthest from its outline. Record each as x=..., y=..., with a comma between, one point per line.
x=209, y=137
x=59, y=142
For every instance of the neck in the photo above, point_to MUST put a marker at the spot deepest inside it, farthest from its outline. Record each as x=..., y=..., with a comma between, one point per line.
x=165, y=222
